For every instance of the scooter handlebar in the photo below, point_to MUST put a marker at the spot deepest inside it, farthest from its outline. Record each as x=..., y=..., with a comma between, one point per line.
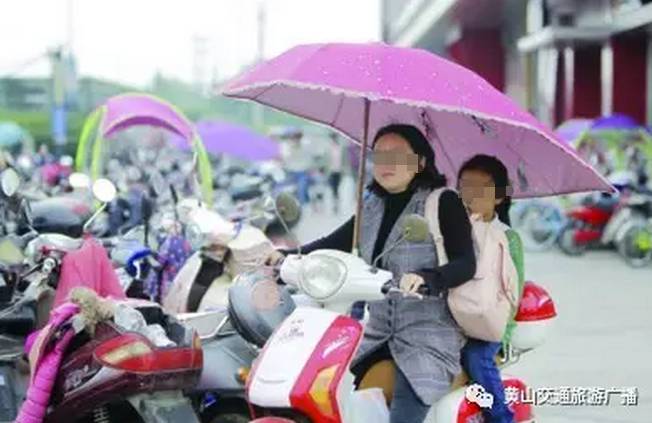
x=423, y=290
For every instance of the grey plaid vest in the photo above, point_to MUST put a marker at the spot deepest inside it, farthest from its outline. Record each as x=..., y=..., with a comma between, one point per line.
x=422, y=336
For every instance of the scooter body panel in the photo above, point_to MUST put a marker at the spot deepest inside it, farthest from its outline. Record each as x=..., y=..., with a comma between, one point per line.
x=223, y=357
x=177, y=298
x=285, y=356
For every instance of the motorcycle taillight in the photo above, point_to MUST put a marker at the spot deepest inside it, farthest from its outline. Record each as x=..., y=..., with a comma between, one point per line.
x=135, y=353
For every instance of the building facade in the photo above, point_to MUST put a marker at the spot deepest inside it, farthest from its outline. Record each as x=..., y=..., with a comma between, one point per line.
x=558, y=58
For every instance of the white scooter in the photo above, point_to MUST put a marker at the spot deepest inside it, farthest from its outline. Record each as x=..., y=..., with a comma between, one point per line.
x=224, y=250
x=303, y=374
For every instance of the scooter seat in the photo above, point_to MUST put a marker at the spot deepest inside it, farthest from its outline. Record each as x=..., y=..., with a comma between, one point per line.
x=380, y=375
x=204, y=323
x=58, y=242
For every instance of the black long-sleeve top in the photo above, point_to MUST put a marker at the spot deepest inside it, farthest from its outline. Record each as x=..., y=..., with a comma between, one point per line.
x=455, y=229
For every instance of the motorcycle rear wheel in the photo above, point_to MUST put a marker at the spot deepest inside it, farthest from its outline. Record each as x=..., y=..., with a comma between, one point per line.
x=630, y=248
x=567, y=242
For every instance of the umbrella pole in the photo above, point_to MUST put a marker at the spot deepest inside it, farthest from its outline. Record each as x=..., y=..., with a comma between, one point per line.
x=361, y=179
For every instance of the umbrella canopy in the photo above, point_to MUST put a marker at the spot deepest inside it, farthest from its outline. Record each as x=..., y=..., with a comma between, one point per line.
x=358, y=88
x=234, y=140
x=12, y=135
x=615, y=122
x=573, y=129
x=127, y=110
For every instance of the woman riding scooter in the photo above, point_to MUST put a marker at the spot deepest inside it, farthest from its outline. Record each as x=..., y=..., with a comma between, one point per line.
x=419, y=335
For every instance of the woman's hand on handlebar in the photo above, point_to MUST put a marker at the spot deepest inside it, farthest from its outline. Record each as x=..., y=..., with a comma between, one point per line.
x=411, y=283
x=275, y=258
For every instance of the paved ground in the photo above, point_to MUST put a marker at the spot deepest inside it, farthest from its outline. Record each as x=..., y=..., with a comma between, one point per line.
x=602, y=337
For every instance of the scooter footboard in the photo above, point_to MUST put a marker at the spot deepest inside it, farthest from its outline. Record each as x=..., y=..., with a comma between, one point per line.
x=164, y=407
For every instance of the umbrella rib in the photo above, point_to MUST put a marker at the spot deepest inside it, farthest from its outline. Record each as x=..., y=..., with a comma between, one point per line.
x=269, y=87
x=433, y=128
x=527, y=163
x=338, y=111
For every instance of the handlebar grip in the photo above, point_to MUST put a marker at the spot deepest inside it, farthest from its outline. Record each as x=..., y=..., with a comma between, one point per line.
x=423, y=290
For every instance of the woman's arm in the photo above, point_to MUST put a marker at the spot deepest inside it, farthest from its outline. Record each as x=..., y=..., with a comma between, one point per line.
x=340, y=239
x=458, y=243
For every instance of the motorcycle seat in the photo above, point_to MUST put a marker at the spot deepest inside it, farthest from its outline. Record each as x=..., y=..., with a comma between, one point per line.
x=204, y=323
x=59, y=242
x=382, y=373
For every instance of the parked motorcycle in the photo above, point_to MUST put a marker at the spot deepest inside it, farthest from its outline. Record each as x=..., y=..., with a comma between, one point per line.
x=634, y=242
x=219, y=395
x=224, y=250
x=115, y=373
x=302, y=373
x=599, y=220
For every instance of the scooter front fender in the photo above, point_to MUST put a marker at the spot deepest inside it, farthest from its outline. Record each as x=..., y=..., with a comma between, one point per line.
x=223, y=358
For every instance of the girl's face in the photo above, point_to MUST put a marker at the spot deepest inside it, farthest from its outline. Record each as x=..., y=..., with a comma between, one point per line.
x=478, y=192
x=395, y=164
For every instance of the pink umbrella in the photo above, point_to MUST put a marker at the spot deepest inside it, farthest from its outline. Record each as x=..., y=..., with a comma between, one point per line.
x=233, y=140
x=358, y=88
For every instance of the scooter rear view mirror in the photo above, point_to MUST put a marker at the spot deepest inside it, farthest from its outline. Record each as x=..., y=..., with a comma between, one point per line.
x=26, y=214
x=157, y=183
x=104, y=190
x=10, y=182
x=288, y=208
x=415, y=228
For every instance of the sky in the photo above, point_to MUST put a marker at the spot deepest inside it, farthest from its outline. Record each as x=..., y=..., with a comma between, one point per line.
x=129, y=41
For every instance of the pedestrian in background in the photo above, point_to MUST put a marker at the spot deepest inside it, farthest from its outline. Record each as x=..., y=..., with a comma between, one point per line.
x=296, y=161
x=336, y=167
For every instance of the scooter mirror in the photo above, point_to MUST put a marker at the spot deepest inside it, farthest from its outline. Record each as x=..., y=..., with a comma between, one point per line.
x=158, y=183
x=25, y=214
x=104, y=190
x=415, y=228
x=79, y=180
x=288, y=208
x=10, y=182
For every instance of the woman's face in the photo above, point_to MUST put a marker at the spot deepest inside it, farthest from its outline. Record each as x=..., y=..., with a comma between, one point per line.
x=478, y=192
x=395, y=164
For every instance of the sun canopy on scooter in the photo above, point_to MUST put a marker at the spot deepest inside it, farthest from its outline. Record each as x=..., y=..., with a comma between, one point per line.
x=124, y=111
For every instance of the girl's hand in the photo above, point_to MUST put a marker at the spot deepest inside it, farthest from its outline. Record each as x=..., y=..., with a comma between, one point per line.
x=410, y=283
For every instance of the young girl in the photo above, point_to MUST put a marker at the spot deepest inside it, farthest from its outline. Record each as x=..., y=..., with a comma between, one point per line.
x=483, y=184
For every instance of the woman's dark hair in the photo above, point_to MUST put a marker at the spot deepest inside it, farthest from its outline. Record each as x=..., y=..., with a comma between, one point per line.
x=498, y=172
x=428, y=177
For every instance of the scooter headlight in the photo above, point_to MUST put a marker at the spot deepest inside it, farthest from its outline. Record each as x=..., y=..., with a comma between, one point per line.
x=322, y=276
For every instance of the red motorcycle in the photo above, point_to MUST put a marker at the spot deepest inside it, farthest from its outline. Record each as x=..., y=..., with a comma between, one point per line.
x=587, y=223
x=128, y=369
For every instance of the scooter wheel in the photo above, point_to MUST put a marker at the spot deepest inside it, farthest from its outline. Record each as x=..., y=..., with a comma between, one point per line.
x=636, y=252
x=567, y=242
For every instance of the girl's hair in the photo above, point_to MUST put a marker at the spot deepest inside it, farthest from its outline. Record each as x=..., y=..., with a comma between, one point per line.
x=498, y=172
x=428, y=177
